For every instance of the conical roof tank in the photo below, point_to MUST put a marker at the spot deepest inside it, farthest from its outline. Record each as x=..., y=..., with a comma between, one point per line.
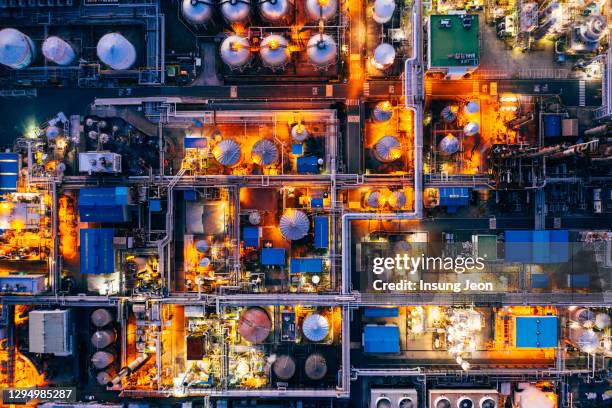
x=116, y=51
x=227, y=152
x=273, y=51
x=449, y=114
x=387, y=149
x=197, y=11
x=254, y=325
x=294, y=225
x=449, y=145
x=264, y=153
x=315, y=367
x=397, y=200
x=16, y=49
x=384, y=56
x=315, y=327
x=321, y=9
x=235, y=51
x=274, y=10
x=284, y=367
x=58, y=51
x=383, y=112
x=383, y=11
x=235, y=11
x=374, y=199
x=322, y=50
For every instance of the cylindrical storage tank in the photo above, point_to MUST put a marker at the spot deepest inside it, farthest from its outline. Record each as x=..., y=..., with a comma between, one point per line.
x=471, y=128
x=227, y=152
x=602, y=321
x=235, y=51
x=255, y=218
x=116, y=51
x=264, y=153
x=274, y=10
x=588, y=341
x=202, y=246
x=387, y=149
x=442, y=402
x=284, y=367
x=465, y=402
x=383, y=112
x=204, y=262
x=383, y=402
x=102, y=359
x=593, y=29
x=397, y=200
x=384, y=56
x=315, y=327
x=273, y=51
x=321, y=9
x=406, y=402
x=472, y=107
x=16, y=49
x=294, y=225
x=101, y=317
x=58, y=51
x=448, y=114
x=103, y=377
x=582, y=315
x=254, y=325
x=235, y=11
x=299, y=133
x=197, y=11
x=315, y=367
x=383, y=11
x=374, y=199
x=103, y=338
x=449, y=145
x=322, y=50
x=488, y=402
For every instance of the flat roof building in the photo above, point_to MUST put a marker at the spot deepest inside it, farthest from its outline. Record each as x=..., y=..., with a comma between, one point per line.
x=454, y=44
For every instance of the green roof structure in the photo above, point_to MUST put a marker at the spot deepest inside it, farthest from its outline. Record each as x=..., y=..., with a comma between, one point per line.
x=453, y=42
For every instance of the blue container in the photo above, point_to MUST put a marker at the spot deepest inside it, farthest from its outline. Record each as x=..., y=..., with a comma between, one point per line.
x=9, y=172
x=552, y=125
x=321, y=232
x=306, y=265
x=97, y=252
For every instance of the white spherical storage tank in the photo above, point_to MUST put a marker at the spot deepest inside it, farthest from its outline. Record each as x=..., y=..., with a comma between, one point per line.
x=197, y=11
x=321, y=9
x=322, y=50
x=235, y=51
x=384, y=56
x=274, y=10
x=235, y=11
x=116, y=51
x=58, y=51
x=383, y=11
x=273, y=51
x=16, y=49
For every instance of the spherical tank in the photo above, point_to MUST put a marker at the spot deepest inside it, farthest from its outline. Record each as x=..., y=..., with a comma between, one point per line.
x=16, y=49
x=103, y=338
x=315, y=366
x=299, y=133
x=388, y=149
x=102, y=359
x=284, y=367
x=383, y=11
x=274, y=10
x=235, y=11
x=397, y=200
x=315, y=327
x=59, y=51
x=197, y=11
x=472, y=107
x=294, y=225
x=116, y=51
x=449, y=145
x=321, y=9
x=322, y=50
x=235, y=51
x=101, y=317
x=471, y=128
x=227, y=152
x=384, y=56
x=273, y=51
x=264, y=153
x=602, y=321
x=254, y=325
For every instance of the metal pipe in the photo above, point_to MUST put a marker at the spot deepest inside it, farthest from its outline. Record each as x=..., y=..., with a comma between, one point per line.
x=129, y=369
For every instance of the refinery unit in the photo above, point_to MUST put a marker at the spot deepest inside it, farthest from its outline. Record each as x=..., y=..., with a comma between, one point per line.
x=307, y=203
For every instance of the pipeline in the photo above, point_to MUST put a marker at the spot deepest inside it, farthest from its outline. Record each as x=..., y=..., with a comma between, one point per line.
x=129, y=369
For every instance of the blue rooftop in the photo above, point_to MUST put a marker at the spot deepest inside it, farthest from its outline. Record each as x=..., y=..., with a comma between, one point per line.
x=381, y=339
x=536, y=331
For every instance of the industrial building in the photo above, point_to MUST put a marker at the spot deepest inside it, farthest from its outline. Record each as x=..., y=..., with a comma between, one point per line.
x=307, y=203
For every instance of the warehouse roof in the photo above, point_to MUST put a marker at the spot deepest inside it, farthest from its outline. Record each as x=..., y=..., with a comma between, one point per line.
x=453, y=41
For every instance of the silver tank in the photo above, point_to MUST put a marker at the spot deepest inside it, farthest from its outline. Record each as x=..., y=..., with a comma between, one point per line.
x=388, y=149
x=593, y=29
x=103, y=377
x=101, y=317
x=321, y=9
x=102, y=359
x=322, y=50
x=197, y=11
x=383, y=112
x=315, y=366
x=16, y=49
x=299, y=133
x=235, y=11
x=116, y=51
x=384, y=56
x=58, y=51
x=274, y=10
x=284, y=367
x=235, y=51
x=383, y=11
x=273, y=51
x=103, y=338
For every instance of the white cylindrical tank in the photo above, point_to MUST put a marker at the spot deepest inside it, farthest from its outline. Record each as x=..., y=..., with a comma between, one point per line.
x=116, y=51
x=197, y=11
x=315, y=327
x=384, y=56
x=602, y=321
x=321, y=9
x=264, y=153
x=472, y=107
x=383, y=112
x=102, y=359
x=103, y=338
x=397, y=200
x=471, y=128
x=103, y=377
x=273, y=51
x=235, y=51
x=16, y=49
x=387, y=149
x=235, y=11
x=274, y=10
x=101, y=317
x=227, y=152
x=299, y=133
x=322, y=50
x=294, y=225
x=593, y=29
x=383, y=11
x=449, y=145
x=448, y=114
x=58, y=51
